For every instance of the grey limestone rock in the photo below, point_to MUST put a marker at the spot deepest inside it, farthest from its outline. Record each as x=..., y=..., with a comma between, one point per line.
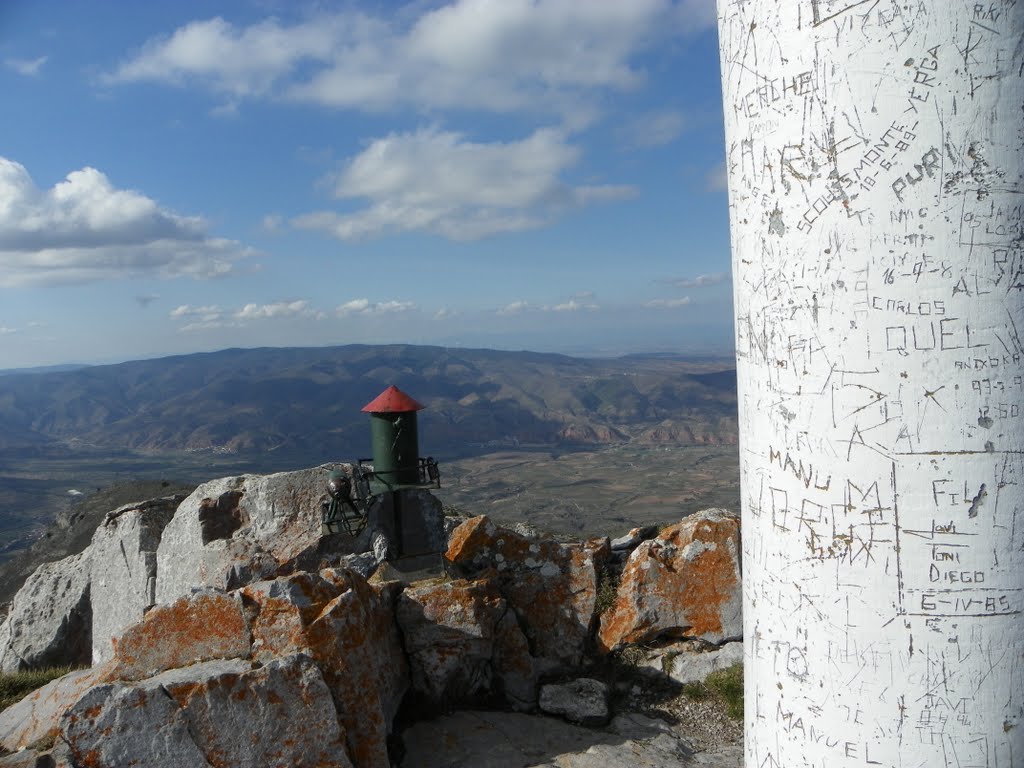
x=583, y=701
x=685, y=664
x=50, y=620
x=237, y=530
x=124, y=571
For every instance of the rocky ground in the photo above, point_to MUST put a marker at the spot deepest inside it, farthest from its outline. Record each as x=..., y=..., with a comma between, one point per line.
x=228, y=629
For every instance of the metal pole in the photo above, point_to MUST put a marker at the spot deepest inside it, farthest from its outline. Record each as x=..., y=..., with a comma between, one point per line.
x=874, y=152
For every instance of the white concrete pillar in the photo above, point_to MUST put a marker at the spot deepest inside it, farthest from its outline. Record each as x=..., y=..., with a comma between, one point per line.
x=877, y=209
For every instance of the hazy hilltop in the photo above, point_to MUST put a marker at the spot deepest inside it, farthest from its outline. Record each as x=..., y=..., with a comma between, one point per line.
x=305, y=400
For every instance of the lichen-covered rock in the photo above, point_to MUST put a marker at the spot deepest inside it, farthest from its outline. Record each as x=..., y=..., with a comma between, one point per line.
x=35, y=717
x=356, y=643
x=215, y=713
x=123, y=570
x=280, y=714
x=237, y=530
x=459, y=643
x=683, y=583
x=551, y=586
x=583, y=701
x=204, y=625
x=127, y=726
x=50, y=620
x=279, y=611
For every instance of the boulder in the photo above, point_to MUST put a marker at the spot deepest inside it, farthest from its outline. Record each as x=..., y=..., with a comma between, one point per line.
x=356, y=643
x=459, y=643
x=551, y=586
x=516, y=671
x=347, y=627
x=583, y=701
x=683, y=583
x=632, y=539
x=205, y=625
x=279, y=714
x=279, y=611
x=35, y=717
x=123, y=572
x=690, y=662
x=49, y=623
x=238, y=530
x=215, y=713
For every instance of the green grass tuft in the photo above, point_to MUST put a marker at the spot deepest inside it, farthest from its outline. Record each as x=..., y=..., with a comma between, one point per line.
x=728, y=683
x=17, y=685
x=607, y=591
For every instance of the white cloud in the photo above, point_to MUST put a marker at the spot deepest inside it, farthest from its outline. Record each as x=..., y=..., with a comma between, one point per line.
x=26, y=67
x=210, y=313
x=83, y=229
x=445, y=312
x=4, y=330
x=515, y=308
x=574, y=306
x=276, y=310
x=701, y=281
x=367, y=307
x=551, y=55
x=668, y=303
x=438, y=182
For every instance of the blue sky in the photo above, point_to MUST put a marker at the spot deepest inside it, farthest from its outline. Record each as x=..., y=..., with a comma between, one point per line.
x=183, y=177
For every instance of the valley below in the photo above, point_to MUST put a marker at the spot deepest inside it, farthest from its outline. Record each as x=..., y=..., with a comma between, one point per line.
x=574, y=446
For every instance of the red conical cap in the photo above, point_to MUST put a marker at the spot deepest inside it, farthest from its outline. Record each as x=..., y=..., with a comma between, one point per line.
x=392, y=400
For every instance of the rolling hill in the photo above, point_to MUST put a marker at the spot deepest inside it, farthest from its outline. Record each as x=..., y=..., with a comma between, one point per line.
x=308, y=400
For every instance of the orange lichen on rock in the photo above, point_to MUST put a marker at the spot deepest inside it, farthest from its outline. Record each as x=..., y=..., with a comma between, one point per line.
x=205, y=625
x=551, y=586
x=683, y=583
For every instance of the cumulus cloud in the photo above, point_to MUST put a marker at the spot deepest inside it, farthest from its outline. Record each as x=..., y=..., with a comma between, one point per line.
x=445, y=312
x=701, y=281
x=477, y=54
x=574, y=306
x=367, y=307
x=668, y=303
x=26, y=67
x=84, y=229
x=515, y=308
x=275, y=310
x=440, y=182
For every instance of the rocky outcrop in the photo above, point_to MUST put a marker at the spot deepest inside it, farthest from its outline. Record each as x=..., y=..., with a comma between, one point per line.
x=238, y=530
x=35, y=718
x=123, y=572
x=215, y=713
x=203, y=626
x=50, y=620
x=272, y=656
x=460, y=645
x=683, y=583
x=551, y=586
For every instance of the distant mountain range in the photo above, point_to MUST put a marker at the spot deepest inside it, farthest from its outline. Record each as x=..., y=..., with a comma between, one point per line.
x=309, y=399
